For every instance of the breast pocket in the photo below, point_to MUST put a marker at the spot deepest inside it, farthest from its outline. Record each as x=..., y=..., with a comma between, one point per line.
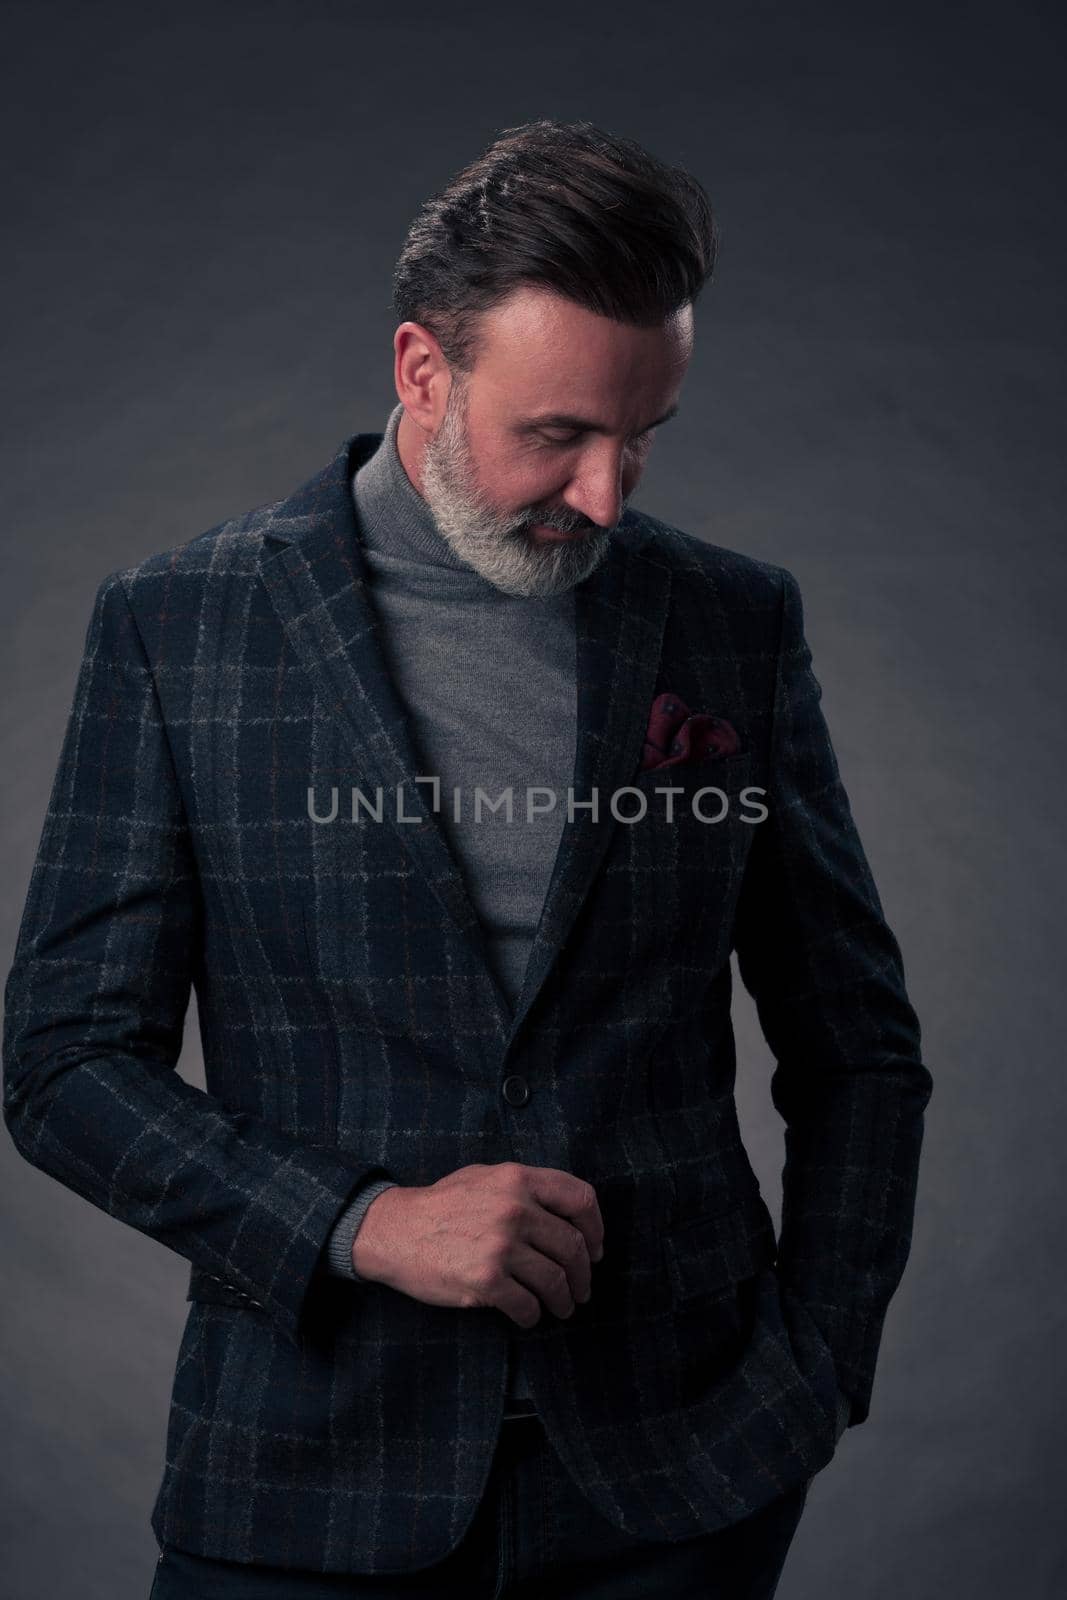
x=686, y=855
x=710, y=805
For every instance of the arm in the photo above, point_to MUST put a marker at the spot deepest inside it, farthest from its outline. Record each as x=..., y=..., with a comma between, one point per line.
x=825, y=972
x=108, y=948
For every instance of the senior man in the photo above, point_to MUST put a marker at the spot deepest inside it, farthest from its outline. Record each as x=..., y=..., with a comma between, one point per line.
x=451, y=781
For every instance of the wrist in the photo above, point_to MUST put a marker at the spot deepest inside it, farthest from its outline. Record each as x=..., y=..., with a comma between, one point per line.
x=337, y=1256
x=369, y=1257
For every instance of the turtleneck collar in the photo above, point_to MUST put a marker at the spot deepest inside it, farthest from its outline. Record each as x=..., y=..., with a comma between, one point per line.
x=394, y=518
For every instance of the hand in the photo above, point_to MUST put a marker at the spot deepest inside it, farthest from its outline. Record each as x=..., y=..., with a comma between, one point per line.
x=504, y=1235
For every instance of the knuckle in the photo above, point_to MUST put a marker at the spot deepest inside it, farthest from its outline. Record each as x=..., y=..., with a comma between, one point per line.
x=577, y=1244
x=486, y=1280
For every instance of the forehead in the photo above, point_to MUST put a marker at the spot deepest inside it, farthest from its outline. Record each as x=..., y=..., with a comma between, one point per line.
x=538, y=347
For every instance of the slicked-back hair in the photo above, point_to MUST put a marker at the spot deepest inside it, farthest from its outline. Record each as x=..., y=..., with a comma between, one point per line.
x=563, y=206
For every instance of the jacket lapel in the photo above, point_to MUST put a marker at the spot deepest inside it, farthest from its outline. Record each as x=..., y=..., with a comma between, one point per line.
x=620, y=613
x=312, y=565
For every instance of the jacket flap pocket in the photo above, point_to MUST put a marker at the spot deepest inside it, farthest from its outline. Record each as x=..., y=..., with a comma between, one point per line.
x=709, y=1252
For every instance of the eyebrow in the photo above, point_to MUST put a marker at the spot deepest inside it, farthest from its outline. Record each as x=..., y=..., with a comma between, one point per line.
x=559, y=419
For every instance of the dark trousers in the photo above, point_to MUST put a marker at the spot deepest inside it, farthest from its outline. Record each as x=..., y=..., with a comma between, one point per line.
x=533, y=1535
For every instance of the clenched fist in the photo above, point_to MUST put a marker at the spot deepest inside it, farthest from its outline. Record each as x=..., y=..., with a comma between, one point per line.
x=505, y=1235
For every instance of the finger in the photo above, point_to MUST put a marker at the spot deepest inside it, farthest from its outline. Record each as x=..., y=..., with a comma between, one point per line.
x=565, y=1245
x=518, y=1303
x=574, y=1199
x=558, y=1285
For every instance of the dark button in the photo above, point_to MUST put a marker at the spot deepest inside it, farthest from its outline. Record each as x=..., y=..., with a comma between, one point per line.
x=516, y=1090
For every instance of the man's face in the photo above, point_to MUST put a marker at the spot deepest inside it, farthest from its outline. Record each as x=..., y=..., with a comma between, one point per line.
x=547, y=436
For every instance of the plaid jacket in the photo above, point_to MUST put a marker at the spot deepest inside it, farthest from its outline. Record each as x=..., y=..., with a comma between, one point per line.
x=352, y=1028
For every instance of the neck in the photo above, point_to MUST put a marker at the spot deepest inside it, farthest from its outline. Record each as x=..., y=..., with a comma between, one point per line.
x=394, y=518
x=410, y=445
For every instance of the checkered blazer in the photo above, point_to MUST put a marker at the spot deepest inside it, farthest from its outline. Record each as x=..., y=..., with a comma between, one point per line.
x=352, y=1028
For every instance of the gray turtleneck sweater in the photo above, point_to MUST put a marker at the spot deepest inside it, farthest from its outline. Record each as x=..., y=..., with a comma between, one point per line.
x=460, y=651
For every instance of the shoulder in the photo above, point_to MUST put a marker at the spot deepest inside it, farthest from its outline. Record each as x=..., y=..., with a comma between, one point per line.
x=155, y=612
x=737, y=581
x=234, y=549
x=231, y=548
x=206, y=582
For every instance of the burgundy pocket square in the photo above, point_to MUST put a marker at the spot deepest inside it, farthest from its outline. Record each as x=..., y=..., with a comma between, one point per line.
x=676, y=734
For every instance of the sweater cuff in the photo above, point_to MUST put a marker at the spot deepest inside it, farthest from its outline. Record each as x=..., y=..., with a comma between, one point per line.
x=341, y=1239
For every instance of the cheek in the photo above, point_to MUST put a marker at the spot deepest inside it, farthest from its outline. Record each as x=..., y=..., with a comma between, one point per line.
x=631, y=474
x=530, y=483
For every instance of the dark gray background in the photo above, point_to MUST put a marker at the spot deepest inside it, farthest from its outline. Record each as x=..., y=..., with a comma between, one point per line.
x=204, y=209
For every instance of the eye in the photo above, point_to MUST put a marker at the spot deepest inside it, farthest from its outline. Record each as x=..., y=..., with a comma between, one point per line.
x=570, y=438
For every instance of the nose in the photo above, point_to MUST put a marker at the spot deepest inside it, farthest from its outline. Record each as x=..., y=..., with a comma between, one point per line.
x=597, y=490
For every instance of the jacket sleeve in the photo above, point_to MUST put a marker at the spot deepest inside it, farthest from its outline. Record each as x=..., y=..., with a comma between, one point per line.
x=825, y=972
x=96, y=998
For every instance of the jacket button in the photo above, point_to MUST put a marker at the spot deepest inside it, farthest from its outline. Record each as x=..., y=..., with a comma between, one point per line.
x=516, y=1090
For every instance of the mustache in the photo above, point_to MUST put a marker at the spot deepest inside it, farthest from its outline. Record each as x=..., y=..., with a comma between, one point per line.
x=564, y=524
